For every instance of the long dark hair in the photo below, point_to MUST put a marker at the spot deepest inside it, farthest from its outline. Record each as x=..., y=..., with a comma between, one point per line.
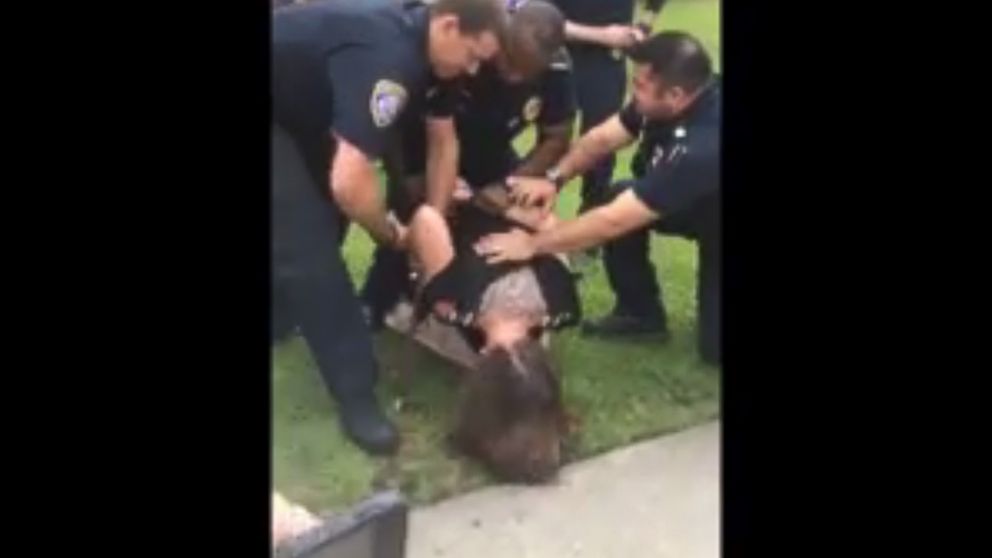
x=511, y=415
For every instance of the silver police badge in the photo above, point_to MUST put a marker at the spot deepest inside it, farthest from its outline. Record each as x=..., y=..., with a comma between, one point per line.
x=532, y=109
x=388, y=100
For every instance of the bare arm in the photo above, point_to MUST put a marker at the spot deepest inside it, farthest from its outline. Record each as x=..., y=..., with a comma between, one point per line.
x=593, y=228
x=495, y=199
x=624, y=214
x=442, y=162
x=610, y=36
x=356, y=190
x=552, y=144
x=602, y=140
x=597, y=143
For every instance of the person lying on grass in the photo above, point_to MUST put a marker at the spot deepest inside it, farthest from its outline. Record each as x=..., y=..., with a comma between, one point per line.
x=510, y=415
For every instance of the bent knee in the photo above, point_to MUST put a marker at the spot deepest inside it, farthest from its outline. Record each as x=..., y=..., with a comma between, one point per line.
x=426, y=218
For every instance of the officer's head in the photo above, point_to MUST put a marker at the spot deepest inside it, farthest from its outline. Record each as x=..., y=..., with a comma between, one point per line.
x=511, y=415
x=536, y=34
x=670, y=70
x=463, y=34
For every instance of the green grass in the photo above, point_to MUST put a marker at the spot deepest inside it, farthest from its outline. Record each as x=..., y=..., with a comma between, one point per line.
x=622, y=391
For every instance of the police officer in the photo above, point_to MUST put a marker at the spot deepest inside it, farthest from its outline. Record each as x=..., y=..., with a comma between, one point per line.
x=676, y=112
x=530, y=83
x=342, y=73
x=598, y=31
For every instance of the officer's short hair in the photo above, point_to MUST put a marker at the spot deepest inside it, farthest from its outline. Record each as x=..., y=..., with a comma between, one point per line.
x=475, y=16
x=678, y=58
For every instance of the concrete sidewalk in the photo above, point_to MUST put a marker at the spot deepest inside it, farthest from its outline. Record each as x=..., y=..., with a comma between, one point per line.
x=659, y=498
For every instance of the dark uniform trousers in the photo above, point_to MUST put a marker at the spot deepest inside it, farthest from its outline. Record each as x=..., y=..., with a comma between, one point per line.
x=600, y=84
x=634, y=282
x=310, y=283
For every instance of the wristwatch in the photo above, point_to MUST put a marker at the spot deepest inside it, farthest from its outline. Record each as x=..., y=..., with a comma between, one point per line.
x=394, y=230
x=555, y=176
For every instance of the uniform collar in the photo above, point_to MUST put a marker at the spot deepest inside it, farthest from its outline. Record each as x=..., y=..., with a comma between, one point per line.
x=701, y=103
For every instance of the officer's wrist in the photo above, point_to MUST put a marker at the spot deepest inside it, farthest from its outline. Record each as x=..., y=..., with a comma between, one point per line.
x=389, y=234
x=556, y=177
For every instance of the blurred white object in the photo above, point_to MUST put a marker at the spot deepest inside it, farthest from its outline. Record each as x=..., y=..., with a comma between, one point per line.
x=289, y=520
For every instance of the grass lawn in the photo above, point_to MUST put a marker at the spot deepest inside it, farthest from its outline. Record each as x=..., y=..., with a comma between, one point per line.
x=623, y=391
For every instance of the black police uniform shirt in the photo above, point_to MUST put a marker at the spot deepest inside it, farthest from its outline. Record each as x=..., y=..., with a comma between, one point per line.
x=490, y=113
x=346, y=68
x=681, y=178
x=603, y=12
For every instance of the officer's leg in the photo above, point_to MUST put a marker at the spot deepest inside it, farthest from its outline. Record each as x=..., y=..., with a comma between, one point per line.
x=708, y=301
x=639, y=308
x=282, y=322
x=632, y=275
x=308, y=265
x=600, y=82
x=386, y=282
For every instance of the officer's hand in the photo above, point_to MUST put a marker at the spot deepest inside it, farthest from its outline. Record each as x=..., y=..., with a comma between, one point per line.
x=641, y=32
x=402, y=239
x=528, y=191
x=646, y=23
x=620, y=36
x=463, y=192
x=513, y=246
x=400, y=233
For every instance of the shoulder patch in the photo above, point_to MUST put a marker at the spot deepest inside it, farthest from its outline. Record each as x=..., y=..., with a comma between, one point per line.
x=387, y=102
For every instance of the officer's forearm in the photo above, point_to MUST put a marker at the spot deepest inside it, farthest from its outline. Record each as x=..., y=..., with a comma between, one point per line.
x=624, y=214
x=577, y=32
x=552, y=144
x=593, y=147
x=356, y=191
x=592, y=228
x=361, y=203
x=442, y=163
x=495, y=200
